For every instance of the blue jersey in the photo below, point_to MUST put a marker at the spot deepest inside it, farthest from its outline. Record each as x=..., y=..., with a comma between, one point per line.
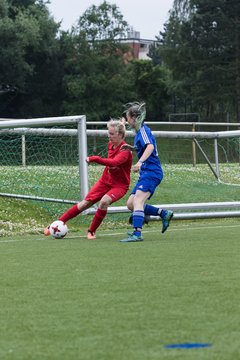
x=152, y=165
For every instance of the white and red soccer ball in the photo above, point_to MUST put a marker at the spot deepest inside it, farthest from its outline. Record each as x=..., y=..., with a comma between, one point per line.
x=58, y=229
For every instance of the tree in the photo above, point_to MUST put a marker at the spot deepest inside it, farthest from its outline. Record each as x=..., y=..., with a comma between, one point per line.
x=150, y=83
x=201, y=47
x=28, y=58
x=97, y=81
x=103, y=22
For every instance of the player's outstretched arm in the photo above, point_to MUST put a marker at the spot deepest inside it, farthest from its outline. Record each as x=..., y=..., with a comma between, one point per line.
x=118, y=160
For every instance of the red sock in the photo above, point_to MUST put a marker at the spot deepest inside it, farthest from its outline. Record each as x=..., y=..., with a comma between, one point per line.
x=70, y=213
x=98, y=218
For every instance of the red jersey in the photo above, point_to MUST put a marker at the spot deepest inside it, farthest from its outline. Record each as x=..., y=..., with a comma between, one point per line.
x=118, y=166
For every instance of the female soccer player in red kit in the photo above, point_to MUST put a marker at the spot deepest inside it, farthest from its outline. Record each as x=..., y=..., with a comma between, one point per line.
x=113, y=183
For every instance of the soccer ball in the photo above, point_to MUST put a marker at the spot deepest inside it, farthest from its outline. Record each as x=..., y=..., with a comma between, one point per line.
x=58, y=229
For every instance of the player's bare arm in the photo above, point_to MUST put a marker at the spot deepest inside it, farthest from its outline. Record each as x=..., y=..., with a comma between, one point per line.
x=147, y=152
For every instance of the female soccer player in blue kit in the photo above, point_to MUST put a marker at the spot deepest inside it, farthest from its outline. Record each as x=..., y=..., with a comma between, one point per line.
x=150, y=170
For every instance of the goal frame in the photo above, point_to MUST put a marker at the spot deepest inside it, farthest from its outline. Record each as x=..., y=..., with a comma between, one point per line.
x=19, y=127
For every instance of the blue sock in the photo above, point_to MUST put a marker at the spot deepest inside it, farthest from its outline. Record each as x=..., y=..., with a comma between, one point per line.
x=137, y=233
x=138, y=219
x=151, y=210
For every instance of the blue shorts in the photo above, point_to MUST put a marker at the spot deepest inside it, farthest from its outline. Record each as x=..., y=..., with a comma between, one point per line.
x=147, y=183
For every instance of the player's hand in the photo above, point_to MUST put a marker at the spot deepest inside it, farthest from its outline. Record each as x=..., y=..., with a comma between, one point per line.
x=136, y=167
x=87, y=160
x=127, y=147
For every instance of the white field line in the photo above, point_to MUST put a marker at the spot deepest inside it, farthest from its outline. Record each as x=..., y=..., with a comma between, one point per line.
x=124, y=232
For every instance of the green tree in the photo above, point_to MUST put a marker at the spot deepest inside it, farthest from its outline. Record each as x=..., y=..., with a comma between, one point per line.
x=29, y=59
x=151, y=85
x=103, y=22
x=97, y=80
x=201, y=47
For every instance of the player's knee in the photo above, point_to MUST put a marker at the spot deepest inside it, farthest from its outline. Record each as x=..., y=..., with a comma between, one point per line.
x=130, y=205
x=84, y=204
x=103, y=204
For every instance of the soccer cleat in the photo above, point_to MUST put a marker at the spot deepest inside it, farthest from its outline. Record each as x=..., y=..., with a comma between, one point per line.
x=47, y=231
x=91, y=235
x=132, y=238
x=166, y=220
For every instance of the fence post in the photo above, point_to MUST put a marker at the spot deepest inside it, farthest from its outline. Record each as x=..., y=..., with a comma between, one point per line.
x=194, y=148
x=23, y=151
x=216, y=158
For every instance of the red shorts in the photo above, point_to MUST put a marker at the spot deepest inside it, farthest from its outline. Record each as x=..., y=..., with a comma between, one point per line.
x=100, y=189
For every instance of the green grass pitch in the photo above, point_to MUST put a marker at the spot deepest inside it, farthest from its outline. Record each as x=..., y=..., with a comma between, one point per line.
x=106, y=300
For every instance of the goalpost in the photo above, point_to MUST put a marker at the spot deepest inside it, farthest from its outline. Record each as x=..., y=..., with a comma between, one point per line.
x=16, y=132
x=49, y=156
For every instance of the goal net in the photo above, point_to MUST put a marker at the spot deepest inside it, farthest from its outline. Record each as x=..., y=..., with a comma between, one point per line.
x=44, y=164
x=43, y=160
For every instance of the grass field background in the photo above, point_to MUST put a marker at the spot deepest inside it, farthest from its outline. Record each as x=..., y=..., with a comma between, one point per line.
x=105, y=300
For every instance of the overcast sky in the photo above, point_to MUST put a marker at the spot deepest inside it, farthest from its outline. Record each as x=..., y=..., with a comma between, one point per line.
x=147, y=18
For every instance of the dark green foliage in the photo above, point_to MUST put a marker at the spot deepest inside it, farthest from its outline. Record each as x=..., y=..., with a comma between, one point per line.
x=97, y=79
x=103, y=22
x=84, y=71
x=200, y=45
x=29, y=60
x=195, y=65
x=151, y=86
